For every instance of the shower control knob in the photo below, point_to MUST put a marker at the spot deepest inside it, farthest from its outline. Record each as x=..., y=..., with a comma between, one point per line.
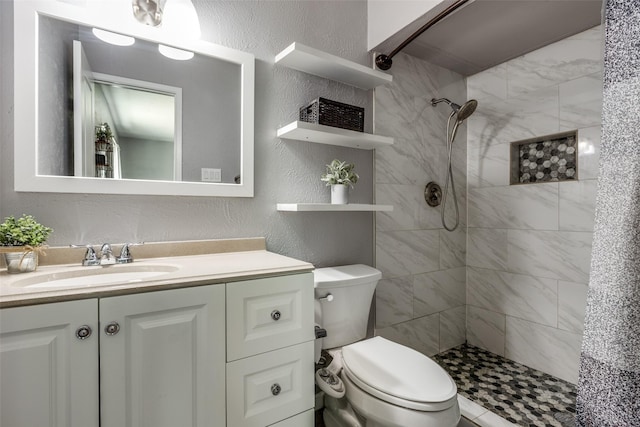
x=275, y=315
x=433, y=194
x=276, y=389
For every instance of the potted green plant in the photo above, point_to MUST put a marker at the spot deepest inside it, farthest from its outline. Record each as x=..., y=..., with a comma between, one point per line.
x=21, y=240
x=340, y=176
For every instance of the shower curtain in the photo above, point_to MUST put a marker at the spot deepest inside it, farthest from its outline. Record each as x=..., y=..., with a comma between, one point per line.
x=609, y=383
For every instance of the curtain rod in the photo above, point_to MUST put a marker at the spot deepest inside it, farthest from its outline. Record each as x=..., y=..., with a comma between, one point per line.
x=384, y=62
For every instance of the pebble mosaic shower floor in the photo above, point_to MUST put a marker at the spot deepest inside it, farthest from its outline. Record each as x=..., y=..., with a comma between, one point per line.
x=519, y=394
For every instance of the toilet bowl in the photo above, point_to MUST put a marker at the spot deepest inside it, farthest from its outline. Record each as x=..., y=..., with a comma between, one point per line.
x=386, y=384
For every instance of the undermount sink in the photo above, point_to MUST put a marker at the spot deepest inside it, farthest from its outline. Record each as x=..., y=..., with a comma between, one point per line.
x=92, y=276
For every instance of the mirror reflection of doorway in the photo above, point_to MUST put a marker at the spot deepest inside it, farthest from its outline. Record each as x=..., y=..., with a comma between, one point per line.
x=144, y=120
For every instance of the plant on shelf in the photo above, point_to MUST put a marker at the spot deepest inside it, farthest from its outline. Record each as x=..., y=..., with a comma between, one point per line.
x=340, y=176
x=21, y=240
x=103, y=132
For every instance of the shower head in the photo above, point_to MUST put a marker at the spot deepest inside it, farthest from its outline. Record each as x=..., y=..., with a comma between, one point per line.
x=463, y=112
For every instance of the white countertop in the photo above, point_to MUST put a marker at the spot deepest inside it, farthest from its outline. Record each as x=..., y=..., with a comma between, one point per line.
x=190, y=270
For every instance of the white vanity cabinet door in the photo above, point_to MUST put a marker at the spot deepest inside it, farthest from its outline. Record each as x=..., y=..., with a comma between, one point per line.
x=269, y=387
x=48, y=376
x=305, y=419
x=267, y=314
x=165, y=366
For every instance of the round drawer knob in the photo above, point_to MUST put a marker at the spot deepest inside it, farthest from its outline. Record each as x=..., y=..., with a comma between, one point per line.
x=112, y=328
x=83, y=332
x=276, y=389
x=275, y=314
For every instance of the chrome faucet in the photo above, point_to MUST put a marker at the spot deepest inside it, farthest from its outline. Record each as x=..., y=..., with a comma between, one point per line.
x=90, y=256
x=125, y=254
x=106, y=257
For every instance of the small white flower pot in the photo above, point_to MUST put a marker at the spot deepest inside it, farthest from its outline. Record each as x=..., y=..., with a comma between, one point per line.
x=339, y=194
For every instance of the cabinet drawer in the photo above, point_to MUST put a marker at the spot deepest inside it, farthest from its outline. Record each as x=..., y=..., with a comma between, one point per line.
x=305, y=419
x=266, y=314
x=269, y=387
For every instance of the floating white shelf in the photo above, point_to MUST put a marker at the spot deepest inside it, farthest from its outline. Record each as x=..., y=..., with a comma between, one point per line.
x=322, y=64
x=328, y=207
x=311, y=132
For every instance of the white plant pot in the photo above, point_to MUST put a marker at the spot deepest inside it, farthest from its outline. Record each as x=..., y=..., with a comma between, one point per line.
x=339, y=194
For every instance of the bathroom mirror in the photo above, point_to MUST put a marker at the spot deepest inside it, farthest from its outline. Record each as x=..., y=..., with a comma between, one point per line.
x=192, y=134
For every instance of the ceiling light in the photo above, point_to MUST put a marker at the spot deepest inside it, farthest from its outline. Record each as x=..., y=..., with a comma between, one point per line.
x=113, y=38
x=174, y=53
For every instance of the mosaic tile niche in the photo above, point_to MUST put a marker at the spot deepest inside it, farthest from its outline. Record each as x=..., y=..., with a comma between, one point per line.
x=548, y=158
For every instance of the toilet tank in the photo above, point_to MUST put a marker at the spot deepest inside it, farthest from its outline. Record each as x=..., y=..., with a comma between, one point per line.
x=345, y=316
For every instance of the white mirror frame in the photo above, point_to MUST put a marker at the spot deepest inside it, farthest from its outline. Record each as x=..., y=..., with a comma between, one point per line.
x=26, y=178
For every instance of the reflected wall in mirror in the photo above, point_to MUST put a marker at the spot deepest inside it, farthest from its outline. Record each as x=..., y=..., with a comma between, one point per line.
x=188, y=124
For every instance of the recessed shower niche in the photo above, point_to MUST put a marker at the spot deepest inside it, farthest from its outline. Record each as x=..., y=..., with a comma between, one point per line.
x=549, y=158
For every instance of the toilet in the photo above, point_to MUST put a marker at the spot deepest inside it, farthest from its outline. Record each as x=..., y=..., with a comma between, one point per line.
x=385, y=384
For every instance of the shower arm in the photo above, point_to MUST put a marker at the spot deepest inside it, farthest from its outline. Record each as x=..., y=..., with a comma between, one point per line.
x=384, y=62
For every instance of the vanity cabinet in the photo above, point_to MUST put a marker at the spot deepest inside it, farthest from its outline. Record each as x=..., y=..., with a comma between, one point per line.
x=153, y=359
x=238, y=354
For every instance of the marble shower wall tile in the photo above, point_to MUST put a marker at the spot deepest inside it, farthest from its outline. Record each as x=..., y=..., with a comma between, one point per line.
x=417, y=258
x=423, y=79
x=521, y=206
x=487, y=248
x=489, y=84
x=541, y=347
x=403, y=253
x=559, y=255
x=580, y=102
x=488, y=165
x=438, y=291
x=589, y=152
x=394, y=301
x=577, y=205
x=498, y=121
x=410, y=212
x=565, y=60
x=452, y=328
x=402, y=163
x=486, y=329
x=526, y=297
x=453, y=247
x=420, y=334
x=571, y=306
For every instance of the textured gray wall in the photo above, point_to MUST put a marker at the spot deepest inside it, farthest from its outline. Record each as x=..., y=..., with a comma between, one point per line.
x=286, y=171
x=609, y=384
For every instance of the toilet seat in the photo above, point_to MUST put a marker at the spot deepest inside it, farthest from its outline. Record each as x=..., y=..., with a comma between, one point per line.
x=398, y=375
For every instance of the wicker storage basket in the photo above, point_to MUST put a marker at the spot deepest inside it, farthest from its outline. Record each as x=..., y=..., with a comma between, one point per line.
x=332, y=113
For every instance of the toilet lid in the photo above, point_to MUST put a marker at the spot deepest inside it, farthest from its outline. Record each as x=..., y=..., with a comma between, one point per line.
x=398, y=371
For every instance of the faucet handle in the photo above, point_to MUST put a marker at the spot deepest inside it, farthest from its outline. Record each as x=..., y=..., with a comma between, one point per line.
x=125, y=254
x=90, y=256
x=106, y=257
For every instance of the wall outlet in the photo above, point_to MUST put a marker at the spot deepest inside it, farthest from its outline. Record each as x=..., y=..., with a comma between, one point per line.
x=211, y=175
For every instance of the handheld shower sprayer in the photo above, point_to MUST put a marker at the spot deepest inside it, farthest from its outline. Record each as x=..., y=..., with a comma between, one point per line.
x=461, y=113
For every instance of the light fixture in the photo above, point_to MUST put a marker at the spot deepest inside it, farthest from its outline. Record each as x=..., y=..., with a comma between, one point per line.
x=175, y=53
x=180, y=20
x=113, y=38
x=148, y=12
